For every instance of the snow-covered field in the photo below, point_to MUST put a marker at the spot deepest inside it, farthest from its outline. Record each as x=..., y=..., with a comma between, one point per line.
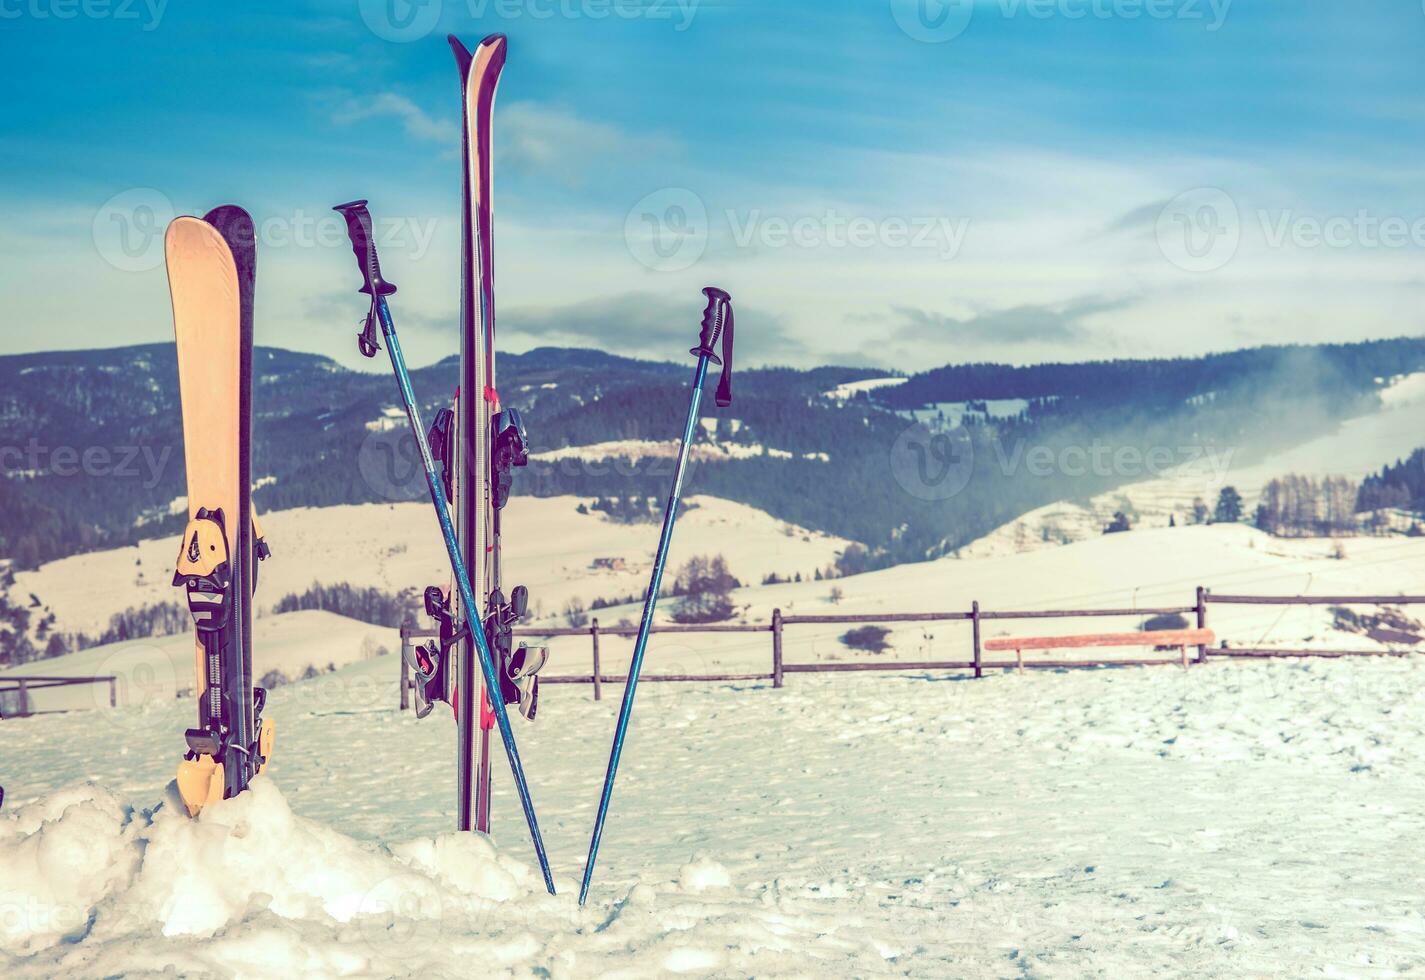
x=1233, y=819
x=1229, y=820
x=1142, y=569
x=397, y=546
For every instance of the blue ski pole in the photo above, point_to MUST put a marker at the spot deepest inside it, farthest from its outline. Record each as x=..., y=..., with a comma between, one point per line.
x=717, y=319
x=358, y=226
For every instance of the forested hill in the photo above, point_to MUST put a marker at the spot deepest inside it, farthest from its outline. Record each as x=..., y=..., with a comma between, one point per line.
x=1321, y=366
x=91, y=450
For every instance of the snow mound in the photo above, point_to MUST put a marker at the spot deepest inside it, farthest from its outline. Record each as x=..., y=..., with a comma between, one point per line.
x=702, y=875
x=83, y=870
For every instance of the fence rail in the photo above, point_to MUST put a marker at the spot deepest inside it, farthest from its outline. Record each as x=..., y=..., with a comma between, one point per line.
x=24, y=684
x=975, y=615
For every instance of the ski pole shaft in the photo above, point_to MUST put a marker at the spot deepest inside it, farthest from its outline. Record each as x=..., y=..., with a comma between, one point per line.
x=358, y=222
x=717, y=319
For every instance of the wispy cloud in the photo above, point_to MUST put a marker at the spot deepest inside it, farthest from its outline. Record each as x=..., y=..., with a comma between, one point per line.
x=648, y=325
x=552, y=141
x=1024, y=324
x=416, y=122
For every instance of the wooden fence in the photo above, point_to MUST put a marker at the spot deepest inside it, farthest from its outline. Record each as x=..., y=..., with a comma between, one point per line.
x=975, y=616
x=21, y=686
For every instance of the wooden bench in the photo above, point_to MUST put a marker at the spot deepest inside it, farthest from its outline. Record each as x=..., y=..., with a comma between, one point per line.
x=1145, y=638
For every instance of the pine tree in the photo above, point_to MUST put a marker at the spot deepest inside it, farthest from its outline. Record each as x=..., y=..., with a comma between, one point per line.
x=1229, y=506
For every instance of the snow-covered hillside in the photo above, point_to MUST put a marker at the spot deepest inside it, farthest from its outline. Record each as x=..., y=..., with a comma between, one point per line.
x=1359, y=447
x=1148, y=568
x=550, y=548
x=1113, y=822
x=161, y=668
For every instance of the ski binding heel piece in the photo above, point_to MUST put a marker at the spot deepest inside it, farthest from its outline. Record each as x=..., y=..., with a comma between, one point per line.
x=509, y=449
x=442, y=448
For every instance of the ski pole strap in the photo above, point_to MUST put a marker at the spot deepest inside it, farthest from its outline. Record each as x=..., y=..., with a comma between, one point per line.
x=717, y=320
x=363, y=243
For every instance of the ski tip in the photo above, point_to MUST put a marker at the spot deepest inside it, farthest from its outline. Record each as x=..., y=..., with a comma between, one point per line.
x=227, y=212
x=493, y=39
x=462, y=53
x=233, y=223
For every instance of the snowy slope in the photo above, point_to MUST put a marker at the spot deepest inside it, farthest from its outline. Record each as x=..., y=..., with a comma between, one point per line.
x=1359, y=447
x=1147, y=568
x=397, y=546
x=1230, y=820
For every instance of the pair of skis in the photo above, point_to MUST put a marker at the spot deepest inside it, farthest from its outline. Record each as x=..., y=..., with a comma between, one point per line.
x=469, y=454
x=472, y=630
x=212, y=264
x=467, y=458
x=717, y=324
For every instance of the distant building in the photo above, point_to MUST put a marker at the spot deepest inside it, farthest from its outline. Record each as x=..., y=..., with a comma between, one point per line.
x=612, y=564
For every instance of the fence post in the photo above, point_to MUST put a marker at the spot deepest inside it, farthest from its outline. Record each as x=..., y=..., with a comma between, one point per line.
x=975, y=627
x=1202, y=622
x=405, y=664
x=776, y=648
x=113, y=692
x=23, y=711
x=598, y=681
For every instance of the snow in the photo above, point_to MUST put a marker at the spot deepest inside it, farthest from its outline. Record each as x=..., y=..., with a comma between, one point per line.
x=161, y=668
x=852, y=388
x=955, y=412
x=398, y=546
x=1233, y=819
x=392, y=417
x=635, y=450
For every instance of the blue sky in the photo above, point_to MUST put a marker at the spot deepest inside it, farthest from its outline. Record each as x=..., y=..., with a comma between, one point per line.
x=897, y=183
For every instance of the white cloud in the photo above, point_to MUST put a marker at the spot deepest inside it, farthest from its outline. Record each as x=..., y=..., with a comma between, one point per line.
x=415, y=120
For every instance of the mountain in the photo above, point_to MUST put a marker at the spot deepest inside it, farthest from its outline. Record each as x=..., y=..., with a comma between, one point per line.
x=911, y=468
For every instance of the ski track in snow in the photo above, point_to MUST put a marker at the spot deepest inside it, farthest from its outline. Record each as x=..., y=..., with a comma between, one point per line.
x=1233, y=819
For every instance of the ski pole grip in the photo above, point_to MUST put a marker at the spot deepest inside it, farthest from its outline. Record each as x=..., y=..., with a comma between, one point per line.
x=717, y=321
x=363, y=243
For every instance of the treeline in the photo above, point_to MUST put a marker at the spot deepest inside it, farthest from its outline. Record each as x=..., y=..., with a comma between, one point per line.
x=848, y=468
x=369, y=605
x=1353, y=366
x=1401, y=485
x=1303, y=506
x=633, y=509
x=23, y=640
